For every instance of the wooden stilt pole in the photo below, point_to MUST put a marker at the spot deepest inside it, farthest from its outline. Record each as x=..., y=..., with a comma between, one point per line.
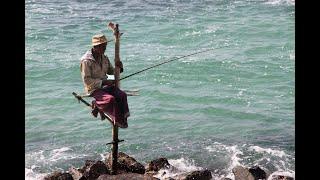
x=114, y=149
x=115, y=128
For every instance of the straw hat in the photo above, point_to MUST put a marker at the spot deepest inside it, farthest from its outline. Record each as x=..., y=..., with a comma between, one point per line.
x=98, y=39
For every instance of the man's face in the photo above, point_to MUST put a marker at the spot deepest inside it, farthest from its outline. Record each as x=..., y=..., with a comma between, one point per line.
x=101, y=48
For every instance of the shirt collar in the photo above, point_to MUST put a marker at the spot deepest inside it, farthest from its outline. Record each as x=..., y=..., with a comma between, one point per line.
x=88, y=55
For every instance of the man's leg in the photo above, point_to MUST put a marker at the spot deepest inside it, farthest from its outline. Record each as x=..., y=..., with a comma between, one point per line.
x=105, y=103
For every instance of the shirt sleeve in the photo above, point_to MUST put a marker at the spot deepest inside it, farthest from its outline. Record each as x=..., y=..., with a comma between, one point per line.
x=89, y=82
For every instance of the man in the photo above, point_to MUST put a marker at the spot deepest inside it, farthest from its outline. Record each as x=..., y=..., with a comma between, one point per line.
x=109, y=101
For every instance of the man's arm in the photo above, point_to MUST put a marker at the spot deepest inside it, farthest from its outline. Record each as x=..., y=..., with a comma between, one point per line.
x=111, y=68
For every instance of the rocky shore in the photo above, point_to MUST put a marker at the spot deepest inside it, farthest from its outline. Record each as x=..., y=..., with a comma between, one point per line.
x=130, y=169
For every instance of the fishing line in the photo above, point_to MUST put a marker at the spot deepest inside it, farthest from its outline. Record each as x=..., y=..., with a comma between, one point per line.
x=170, y=60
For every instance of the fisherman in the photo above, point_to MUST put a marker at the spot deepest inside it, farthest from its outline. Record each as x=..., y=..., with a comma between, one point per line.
x=109, y=101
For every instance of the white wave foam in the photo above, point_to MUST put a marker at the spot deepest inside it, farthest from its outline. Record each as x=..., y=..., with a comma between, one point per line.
x=35, y=155
x=238, y=155
x=31, y=175
x=60, y=153
x=277, y=160
x=193, y=33
x=235, y=160
x=103, y=156
x=44, y=157
x=278, y=2
x=268, y=150
x=211, y=29
x=60, y=150
x=63, y=153
x=281, y=173
x=292, y=56
x=182, y=165
x=233, y=153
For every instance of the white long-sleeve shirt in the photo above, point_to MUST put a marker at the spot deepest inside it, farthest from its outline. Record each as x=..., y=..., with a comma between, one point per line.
x=93, y=71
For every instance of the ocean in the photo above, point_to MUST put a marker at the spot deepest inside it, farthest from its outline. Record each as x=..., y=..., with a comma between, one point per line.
x=234, y=105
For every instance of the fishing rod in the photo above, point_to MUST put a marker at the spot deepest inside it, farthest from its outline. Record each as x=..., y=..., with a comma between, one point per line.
x=170, y=60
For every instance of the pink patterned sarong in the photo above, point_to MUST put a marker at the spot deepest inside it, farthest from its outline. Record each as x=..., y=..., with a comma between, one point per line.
x=113, y=102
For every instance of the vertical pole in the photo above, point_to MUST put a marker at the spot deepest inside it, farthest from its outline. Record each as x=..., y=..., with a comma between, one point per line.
x=115, y=128
x=114, y=154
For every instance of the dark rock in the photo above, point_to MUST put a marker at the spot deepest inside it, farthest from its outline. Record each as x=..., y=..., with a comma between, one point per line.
x=257, y=172
x=77, y=174
x=280, y=177
x=199, y=175
x=126, y=176
x=157, y=164
x=127, y=164
x=151, y=173
x=93, y=171
x=56, y=175
x=226, y=179
x=87, y=165
x=241, y=173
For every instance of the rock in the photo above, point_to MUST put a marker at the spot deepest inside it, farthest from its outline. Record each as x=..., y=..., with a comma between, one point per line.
x=87, y=165
x=157, y=164
x=199, y=175
x=127, y=164
x=76, y=174
x=241, y=173
x=56, y=175
x=94, y=170
x=194, y=175
x=257, y=172
x=280, y=177
x=226, y=179
x=126, y=176
x=151, y=173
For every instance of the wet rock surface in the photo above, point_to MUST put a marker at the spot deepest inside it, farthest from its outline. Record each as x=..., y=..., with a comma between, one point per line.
x=129, y=168
x=127, y=163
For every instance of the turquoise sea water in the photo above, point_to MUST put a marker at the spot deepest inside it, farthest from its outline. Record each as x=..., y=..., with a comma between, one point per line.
x=231, y=106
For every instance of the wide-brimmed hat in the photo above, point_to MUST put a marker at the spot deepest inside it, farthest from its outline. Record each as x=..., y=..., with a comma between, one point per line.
x=99, y=39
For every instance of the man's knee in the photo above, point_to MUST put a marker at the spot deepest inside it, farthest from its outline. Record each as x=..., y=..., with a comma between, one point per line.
x=109, y=98
x=112, y=98
x=122, y=93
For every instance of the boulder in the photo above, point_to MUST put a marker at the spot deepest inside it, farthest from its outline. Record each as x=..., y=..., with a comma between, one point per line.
x=194, y=175
x=126, y=176
x=157, y=164
x=199, y=175
x=280, y=177
x=57, y=175
x=90, y=171
x=241, y=173
x=257, y=172
x=127, y=164
x=77, y=174
x=95, y=170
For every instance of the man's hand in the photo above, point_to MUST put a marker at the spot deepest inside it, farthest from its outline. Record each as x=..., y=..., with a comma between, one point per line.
x=120, y=65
